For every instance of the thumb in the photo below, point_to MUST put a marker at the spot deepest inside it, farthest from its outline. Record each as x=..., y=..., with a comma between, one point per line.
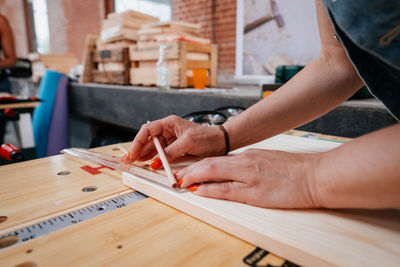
x=229, y=190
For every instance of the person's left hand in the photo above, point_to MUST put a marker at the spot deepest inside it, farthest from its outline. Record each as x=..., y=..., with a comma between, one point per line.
x=272, y=179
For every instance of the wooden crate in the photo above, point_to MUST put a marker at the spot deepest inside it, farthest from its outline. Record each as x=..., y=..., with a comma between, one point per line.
x=110, y=66
x=182, y=57
x=57, y=62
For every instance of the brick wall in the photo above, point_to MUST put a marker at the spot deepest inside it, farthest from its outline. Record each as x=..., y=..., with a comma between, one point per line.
x=70, y=22
x=199, y=11
x=13, y=10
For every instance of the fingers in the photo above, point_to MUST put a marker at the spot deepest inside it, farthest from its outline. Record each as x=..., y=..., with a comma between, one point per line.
x=223, y=190
x=142, y=138
x=211, y=169
x=142, y=145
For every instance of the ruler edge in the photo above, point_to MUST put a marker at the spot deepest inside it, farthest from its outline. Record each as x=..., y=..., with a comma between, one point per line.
x=64, y=212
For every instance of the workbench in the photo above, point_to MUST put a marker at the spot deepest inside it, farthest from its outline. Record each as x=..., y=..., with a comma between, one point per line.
x=144, y=233
x=132, y=106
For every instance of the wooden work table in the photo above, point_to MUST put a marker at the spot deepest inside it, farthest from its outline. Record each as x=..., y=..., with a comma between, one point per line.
x=144, y=233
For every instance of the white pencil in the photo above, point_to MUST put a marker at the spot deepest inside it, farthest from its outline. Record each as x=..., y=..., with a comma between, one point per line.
x=163, y=158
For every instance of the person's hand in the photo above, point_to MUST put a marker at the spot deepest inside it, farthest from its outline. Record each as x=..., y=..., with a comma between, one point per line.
x=272, y=179
x=178, y=137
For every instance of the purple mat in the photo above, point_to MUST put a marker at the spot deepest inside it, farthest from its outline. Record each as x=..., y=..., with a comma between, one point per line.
x=58, y=138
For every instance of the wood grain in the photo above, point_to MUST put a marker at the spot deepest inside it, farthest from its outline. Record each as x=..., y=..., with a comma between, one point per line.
x=145, y=233
x=307, y=237
x=32, y=189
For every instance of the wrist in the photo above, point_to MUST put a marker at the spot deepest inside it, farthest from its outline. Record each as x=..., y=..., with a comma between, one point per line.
x=226, y=139
x=313, y=180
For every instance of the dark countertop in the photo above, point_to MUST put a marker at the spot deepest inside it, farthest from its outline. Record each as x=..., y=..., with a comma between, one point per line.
x=131, y=106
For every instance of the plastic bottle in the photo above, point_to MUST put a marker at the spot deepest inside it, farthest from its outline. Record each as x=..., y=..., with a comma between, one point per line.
x=163, y=78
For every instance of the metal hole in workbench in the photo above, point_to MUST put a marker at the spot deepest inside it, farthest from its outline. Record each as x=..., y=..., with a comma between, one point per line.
x=115, y=149
x=89, y=188
x=119, y=246
x=3, y=218
x=63, y=173
x=29, y=251
x=8, y=241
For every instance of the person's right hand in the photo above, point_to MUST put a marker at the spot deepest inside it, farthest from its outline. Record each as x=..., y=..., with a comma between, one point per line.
x=178, y=137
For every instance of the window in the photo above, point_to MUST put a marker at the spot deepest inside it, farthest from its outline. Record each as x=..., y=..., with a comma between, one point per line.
x=40, y=25
x=157, y=8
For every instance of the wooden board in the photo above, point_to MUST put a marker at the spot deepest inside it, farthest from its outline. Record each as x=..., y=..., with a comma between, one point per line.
x=20, y=105
x=90, y=47
x=31, y=190
x=145, y=233
x=307, y=237
x=134, y=15
x=111, y=66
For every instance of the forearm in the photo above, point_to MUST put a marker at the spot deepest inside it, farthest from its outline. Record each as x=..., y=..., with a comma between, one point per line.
x=363, y=173
x=317, y=89
x=8, y=62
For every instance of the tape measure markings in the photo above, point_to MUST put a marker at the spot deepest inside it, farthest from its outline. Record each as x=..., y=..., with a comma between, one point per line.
x=73, y=217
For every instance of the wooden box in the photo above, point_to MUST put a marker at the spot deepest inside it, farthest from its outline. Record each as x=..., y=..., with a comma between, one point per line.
x=110, y=66
x=181, y=56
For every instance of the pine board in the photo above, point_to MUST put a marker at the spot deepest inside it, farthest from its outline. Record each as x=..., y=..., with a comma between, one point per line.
x=145, y=233
x=31, y=190
x=306, y=237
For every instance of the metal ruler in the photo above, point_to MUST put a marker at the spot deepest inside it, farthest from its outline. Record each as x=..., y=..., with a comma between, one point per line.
x=74, y=217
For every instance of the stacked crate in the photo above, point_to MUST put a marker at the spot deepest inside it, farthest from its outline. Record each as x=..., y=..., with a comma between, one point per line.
x=108, y=60
x=181, y=56
x=184, y=52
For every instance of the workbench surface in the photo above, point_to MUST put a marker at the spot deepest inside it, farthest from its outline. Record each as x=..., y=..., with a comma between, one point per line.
x=144, y=233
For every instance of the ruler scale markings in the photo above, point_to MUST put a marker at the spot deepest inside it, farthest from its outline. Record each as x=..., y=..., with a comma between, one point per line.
x=86, y=213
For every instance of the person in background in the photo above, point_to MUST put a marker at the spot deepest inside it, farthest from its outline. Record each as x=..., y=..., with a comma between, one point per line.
x=7, y=59
x=360, y=44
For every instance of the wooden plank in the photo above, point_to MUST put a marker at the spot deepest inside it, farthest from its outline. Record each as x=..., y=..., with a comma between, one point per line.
x=32, y=189
x=145, y=233
x=111, y=55
x=148, y=76
x=183, y=64
x=180, y=24
x=90, y=46
x=214, y=65
x=307, y=237
x=152, y=52
x=114, y=45
x=112, y=77
x=20, y=105
x=198, y=64
x=201, y=48
x=131, y=14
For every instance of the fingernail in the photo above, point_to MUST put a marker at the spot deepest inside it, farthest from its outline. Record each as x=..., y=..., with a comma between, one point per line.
x=180, y=182
x=124, y=157
x=176, y=175
x=155, y=163
x=193, y=187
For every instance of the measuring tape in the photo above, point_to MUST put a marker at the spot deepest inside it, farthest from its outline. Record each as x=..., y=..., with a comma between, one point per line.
x=74, y=217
